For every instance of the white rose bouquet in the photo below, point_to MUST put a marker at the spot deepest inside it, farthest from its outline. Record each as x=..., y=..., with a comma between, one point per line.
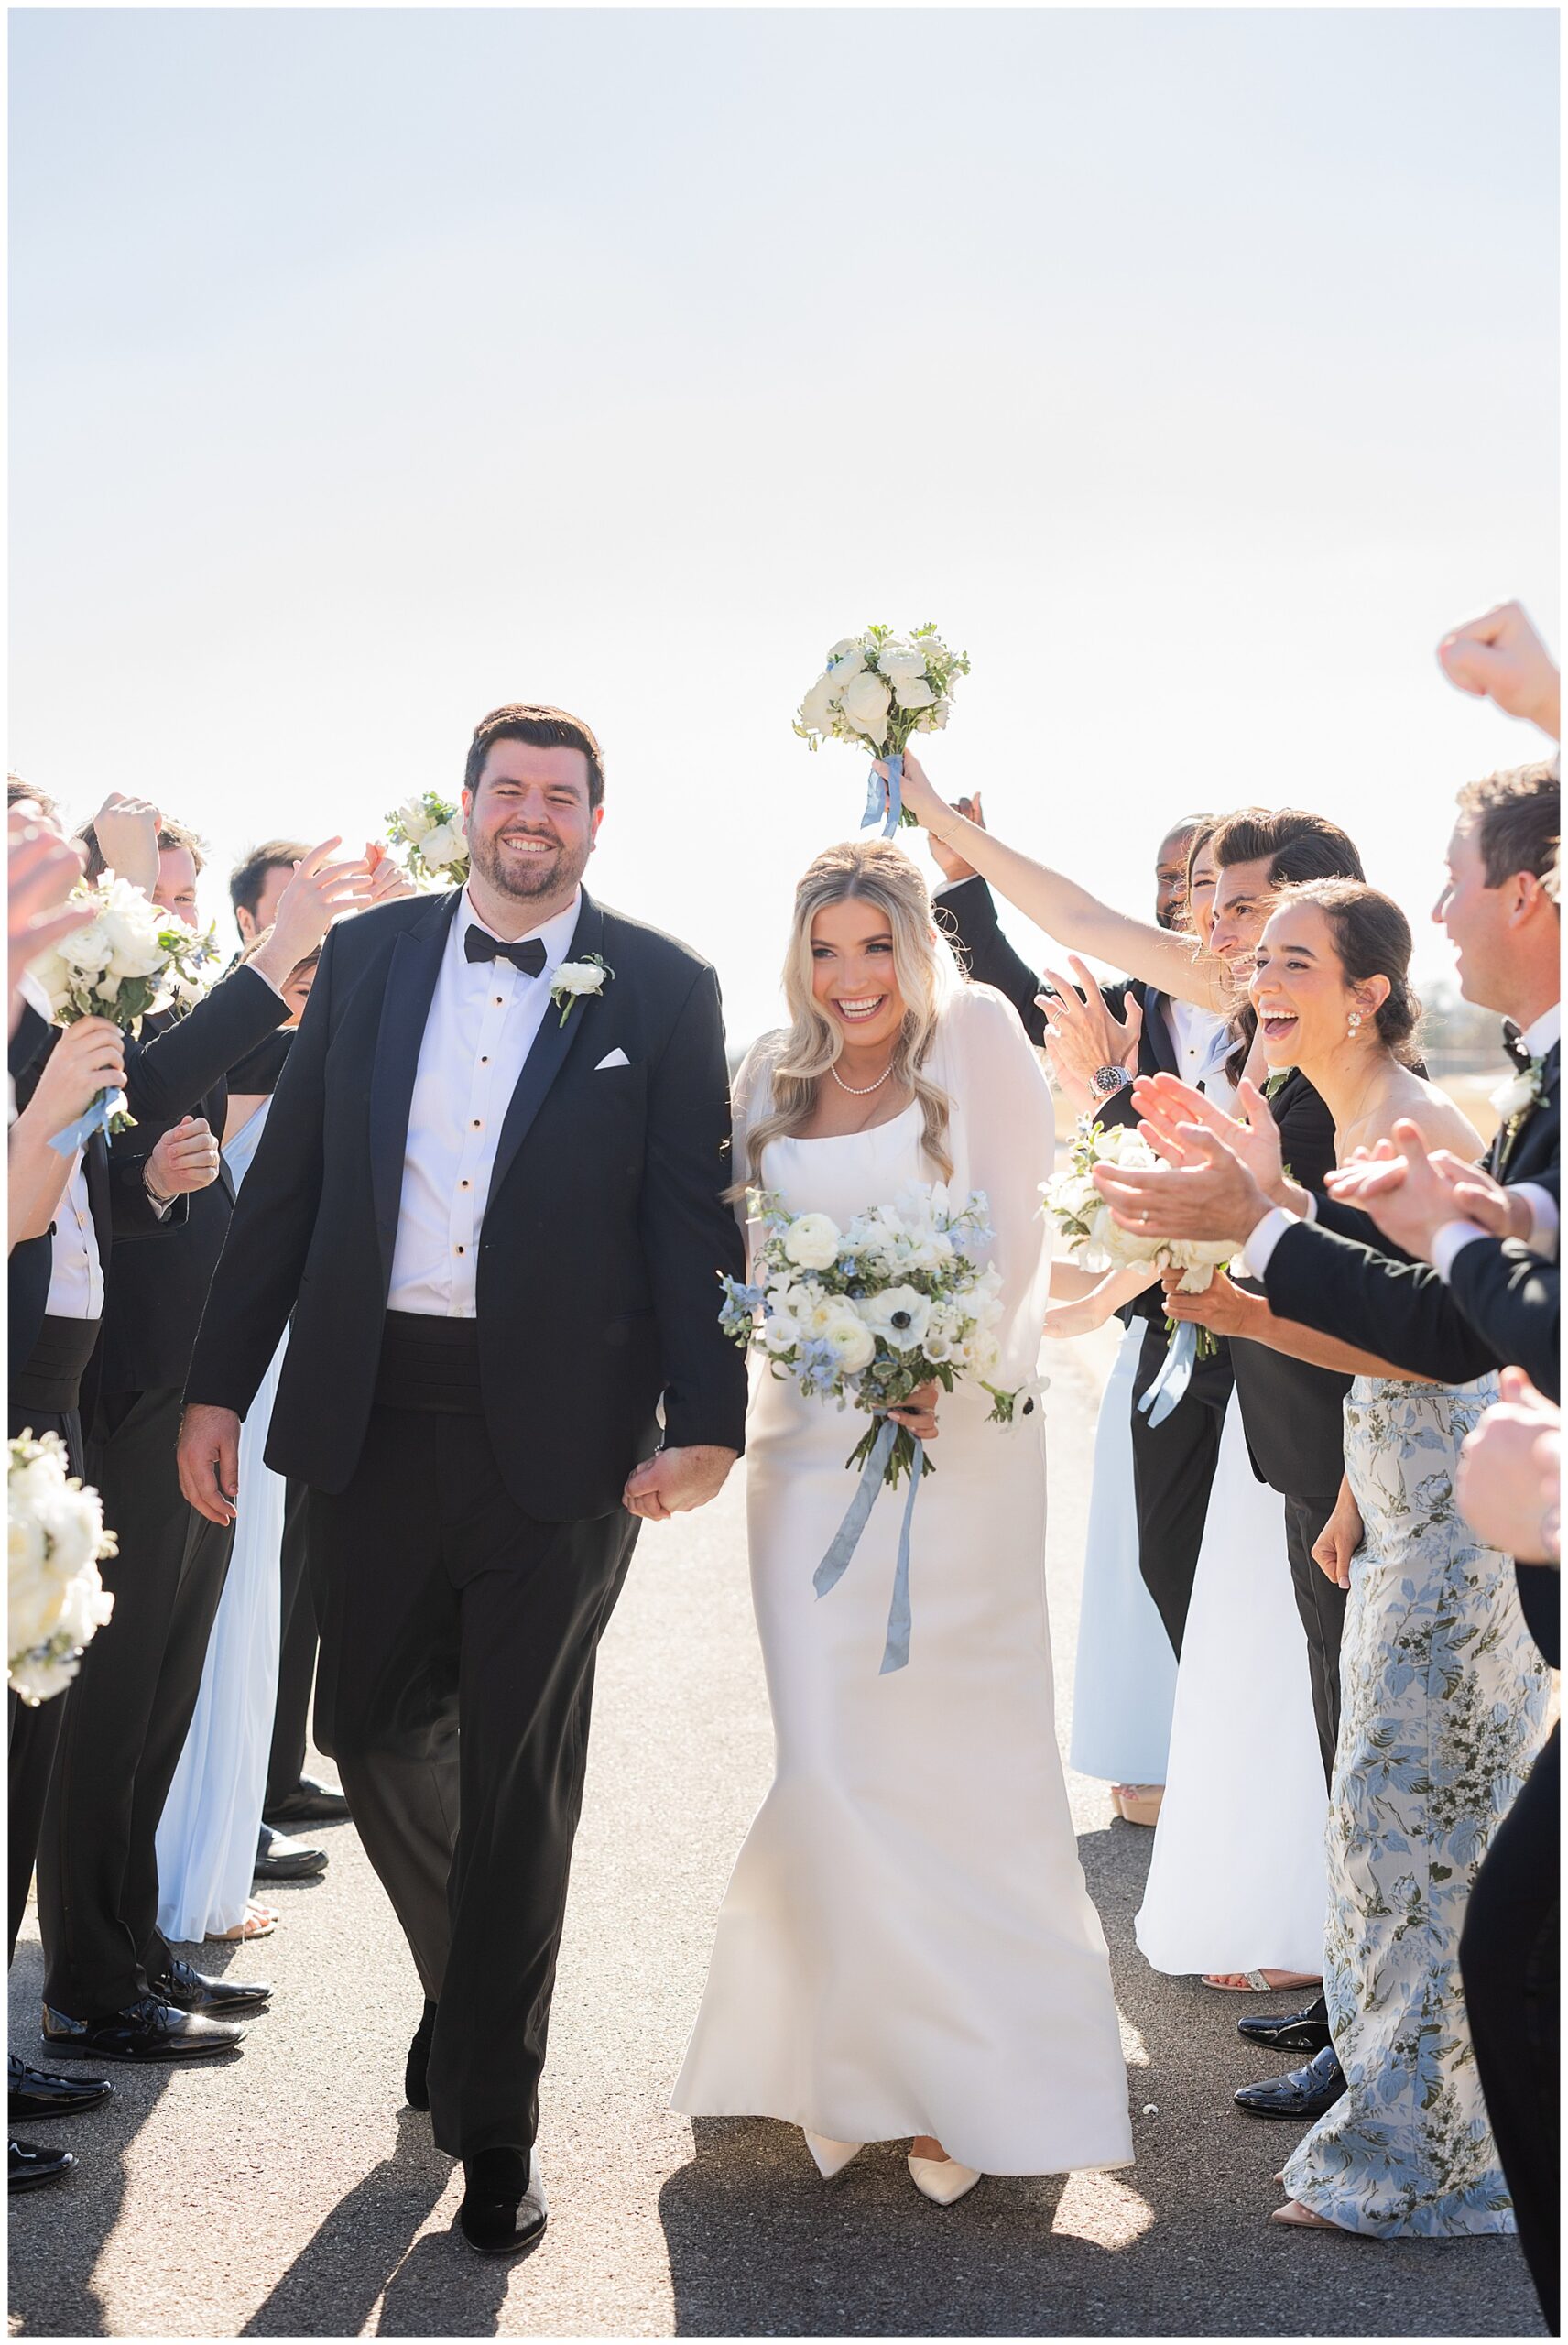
x=864, y=1316
x=58, y=1602
x=877, y=690
x=127, y=959
x=430, y=830
x=1097, y=1242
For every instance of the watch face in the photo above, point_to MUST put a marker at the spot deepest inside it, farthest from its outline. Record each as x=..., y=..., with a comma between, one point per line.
x=1107, y=1079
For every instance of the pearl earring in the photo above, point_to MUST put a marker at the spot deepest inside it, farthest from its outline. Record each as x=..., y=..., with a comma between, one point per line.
x=1355, y=1024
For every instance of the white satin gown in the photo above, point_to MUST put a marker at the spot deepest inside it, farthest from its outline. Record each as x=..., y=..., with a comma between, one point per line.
x=906, y=1944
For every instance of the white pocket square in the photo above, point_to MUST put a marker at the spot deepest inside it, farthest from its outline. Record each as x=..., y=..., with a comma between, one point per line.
x=615, y=1058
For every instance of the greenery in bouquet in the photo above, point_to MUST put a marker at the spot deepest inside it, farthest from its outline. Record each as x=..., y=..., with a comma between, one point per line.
x=128, y=959
x=57, y=1600
x=879, y=689
x=430, y=831
x=1095, y=1239
x=866, y=1316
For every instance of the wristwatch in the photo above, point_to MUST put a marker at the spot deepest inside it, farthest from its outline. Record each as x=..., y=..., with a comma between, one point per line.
x=1106, y=1081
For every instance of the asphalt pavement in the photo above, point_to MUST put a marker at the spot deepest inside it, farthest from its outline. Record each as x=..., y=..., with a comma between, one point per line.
x=289, y=2193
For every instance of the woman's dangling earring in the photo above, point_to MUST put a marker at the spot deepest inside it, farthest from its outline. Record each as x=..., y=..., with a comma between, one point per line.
x=1355, y=1024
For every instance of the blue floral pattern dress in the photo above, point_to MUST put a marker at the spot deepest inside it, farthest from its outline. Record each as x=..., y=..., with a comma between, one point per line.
x=1445, y=1696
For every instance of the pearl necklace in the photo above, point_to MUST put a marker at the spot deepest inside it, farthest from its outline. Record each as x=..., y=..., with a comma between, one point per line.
x=862, y=1090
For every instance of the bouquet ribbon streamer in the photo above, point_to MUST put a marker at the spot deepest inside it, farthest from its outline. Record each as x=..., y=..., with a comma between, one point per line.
x=835, y=1563
x=888, y=794
x=1175, y=1374
x=96, y=1119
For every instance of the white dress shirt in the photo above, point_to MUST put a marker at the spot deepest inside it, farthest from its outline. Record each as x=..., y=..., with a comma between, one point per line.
x=76, y=1274
x=1201, y=1039
x=484, y=1018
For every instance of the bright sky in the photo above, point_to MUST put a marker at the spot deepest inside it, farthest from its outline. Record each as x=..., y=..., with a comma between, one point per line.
x=1192, y=370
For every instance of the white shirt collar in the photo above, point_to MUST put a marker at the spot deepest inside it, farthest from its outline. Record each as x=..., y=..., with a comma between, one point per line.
x=555, y=934
x=1538, y=1036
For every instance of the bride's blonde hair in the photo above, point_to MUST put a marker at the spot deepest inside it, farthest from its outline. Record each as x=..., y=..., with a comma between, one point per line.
x=877, y=872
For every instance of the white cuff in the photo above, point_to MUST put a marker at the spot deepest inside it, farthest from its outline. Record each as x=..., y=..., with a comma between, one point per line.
x=1543, y=1218
x=1256, y=1254
x=1448, y=1240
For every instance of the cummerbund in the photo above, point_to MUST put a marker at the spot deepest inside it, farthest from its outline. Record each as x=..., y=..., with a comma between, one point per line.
x=428, y=1363
x=52, y=1377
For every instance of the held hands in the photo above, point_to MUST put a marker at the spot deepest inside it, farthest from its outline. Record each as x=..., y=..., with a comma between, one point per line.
x=1511, y=1468
x=1341, y=1536
x=673, y=1481
x=126, y=831
x=209, y=1460
x=185, y=1159
x=1500, y=658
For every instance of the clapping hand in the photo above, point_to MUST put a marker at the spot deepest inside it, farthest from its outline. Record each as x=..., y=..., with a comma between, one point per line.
x=1411, y=1192
x=1165, y=1103
x=1500, y=658
x=673, y=1481
x=1202, y=1189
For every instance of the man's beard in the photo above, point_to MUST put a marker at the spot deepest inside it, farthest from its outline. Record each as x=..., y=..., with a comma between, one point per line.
x=527, y=877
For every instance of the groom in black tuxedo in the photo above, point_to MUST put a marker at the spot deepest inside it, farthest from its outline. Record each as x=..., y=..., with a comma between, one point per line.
x=493, y=1205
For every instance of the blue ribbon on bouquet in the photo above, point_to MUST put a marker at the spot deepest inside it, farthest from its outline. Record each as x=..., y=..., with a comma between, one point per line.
x=1175, y=1374
x=96, y=1119
x=893, y=788
x=831, y=1570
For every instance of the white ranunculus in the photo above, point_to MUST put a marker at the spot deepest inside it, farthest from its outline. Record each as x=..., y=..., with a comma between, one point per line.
x=913, y=692
x=134, y=948
x=86, y=951
x=414, y=820
x=900, y=663
x=897, y=1316
x=843, y=648
x=812, y=1241
x=867, y=701
x=87, y=1606
x=935, y=719
x=819, y=707
x=72, y=1521
x=1512, y=1098
x=443, y=846
x=578, y=977
x=850, y=1337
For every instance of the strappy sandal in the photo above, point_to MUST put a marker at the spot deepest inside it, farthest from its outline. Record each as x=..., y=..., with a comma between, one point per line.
x=1138, y=1802
x=1257, y=1982
x=259, y=1922
x=1297, y=2218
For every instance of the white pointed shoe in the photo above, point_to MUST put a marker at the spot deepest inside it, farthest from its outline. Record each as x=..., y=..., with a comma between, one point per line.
x=943, y=2180
x=831, y=2158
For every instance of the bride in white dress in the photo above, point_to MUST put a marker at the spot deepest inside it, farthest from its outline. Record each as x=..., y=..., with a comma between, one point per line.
x=907, y=1949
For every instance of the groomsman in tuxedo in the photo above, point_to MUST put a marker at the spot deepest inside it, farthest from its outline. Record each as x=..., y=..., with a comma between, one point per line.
x=490, y=1193
x=1130, y=1029
x=112, y=1987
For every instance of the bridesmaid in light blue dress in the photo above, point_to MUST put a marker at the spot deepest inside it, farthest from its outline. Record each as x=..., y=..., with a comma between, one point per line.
x=207, y=1834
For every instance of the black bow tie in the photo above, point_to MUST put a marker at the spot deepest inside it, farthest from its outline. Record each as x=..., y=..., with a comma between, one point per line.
x=527, y=955
x=1514, y=1043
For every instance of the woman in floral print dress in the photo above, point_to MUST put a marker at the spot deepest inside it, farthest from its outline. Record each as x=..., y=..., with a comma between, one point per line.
x=1444, y=1691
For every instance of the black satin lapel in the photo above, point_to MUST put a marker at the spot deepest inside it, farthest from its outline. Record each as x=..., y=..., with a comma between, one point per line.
x=405, y=1006
x=1157, y=1027
x=549, y=1054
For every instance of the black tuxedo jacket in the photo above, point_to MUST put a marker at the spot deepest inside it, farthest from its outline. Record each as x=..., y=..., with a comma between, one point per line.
x=1340, y=1275
x=179, y=1067
x=603, y=1236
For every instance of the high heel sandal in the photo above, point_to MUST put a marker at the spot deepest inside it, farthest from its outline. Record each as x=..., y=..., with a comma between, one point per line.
x=1138, y=1802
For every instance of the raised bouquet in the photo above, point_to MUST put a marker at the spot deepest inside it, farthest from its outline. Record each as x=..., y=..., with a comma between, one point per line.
x=127, y=959
x=877, y=690
x=430, y=831
x=864, y=1316
x=1097, y=1241
x=58, y=1602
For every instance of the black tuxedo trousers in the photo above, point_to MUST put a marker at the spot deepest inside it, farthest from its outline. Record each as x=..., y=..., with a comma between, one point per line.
x=1172, y=1471
x=433, y=1589
x=129, y=1712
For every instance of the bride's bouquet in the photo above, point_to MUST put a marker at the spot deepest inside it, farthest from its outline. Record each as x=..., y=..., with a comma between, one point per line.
x=430, y=831
x=864, y=1316
x=1097, y=1241
x=877, y=690
x=57, y=1600
x=126, y=960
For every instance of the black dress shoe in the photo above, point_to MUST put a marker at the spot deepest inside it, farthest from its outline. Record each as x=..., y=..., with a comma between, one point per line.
x=35, y=2093
x=280, y=1859
x=1301, y=2096
x=31, y=2168
x=309, y=1802
x=502, y=2208
x=190, y=1990
x=416, y=2085
x=1291, y=2030
x=147, y=2030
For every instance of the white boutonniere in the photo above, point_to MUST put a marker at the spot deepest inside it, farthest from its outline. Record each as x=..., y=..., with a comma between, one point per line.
x=1514, y=1099
x=574, y=977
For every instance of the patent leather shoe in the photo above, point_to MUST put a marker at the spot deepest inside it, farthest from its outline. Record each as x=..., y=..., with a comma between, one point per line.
x=503, y=2210
x=309, y=1802
x=148, y=2030
x=31, y=2168
x=33, y=2093
x=415, y=2076
x=190, y=1990
x=1299, y=2097
x=1291, y=2030
x=280, y=1859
